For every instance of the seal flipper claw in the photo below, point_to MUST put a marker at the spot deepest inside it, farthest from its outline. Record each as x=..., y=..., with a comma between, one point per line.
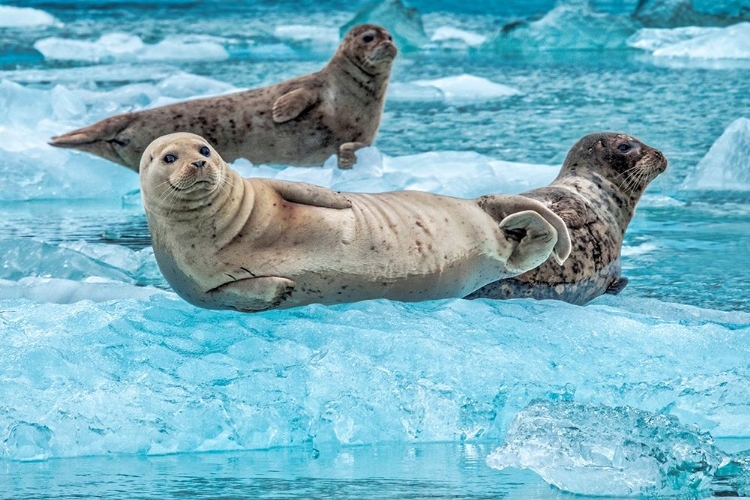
x=252, y=294
x=309, y=194
x=346, y=157
x=617, y=286
x=292, y=104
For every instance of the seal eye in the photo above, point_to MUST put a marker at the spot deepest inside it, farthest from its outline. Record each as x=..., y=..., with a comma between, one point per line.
x=368, y=38
x=170, y=159
x=624, y=147
x=205, y=151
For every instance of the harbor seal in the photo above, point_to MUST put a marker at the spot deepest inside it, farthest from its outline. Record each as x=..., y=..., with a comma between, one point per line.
x=226, y=242
x=599, y=185
x=299, y=122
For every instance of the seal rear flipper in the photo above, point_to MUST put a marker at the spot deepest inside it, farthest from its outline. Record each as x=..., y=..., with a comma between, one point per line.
x=532, y=239
x=617, y=286
x=501, y=206
x=292, y=104
x=309, y=194
x=102, y=139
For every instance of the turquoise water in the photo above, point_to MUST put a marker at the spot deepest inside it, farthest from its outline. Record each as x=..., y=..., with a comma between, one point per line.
x=103, y=370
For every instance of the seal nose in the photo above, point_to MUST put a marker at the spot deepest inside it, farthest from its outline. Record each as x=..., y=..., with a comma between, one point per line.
x=199, y=163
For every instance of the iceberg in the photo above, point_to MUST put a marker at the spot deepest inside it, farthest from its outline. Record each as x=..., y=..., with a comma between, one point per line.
x=592, y=449
x=22, y=17
x=677, y=13
x=454, y=89
x=726, y=166
x=124, y=47
x=569, y=26
x=136, y=371
x=403, y=23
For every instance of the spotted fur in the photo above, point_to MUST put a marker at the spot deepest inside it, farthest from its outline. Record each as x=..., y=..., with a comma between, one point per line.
x=595, y=194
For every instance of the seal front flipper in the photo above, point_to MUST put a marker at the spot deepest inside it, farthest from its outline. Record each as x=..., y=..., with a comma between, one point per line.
x=309, y=194
x=103, y=139
x=292, y=104
x=252, y=294
x=617, y=286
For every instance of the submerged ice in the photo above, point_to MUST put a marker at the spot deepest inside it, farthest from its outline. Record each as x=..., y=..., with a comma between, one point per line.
x=592, y=449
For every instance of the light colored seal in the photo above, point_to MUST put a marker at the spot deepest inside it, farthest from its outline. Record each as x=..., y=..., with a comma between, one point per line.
x=225, y=242
x=301, y=122
x=601, y=181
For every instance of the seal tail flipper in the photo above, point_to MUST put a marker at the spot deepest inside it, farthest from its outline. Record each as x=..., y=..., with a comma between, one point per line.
x=617, y=286
x=102, y=138
x=501, y=206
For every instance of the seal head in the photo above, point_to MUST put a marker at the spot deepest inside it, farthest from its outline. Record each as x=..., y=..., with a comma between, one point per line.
x=621, y=159
x=370, y=48
x=180, y=169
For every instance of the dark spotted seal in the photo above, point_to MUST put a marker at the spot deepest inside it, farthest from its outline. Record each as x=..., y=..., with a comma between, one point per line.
x=601, y=181
x=225, y=242
x=299, y=122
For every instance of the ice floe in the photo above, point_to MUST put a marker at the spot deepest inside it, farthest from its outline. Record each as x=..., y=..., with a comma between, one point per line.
x=726, y=166
x=454, y=89
x=445, y=34
x=317, y=36
x=591, y=449
x=732, y=42
x=125, y=47
x=34, y=170
x=22, y=17
x=63, y=291
x=136, y=371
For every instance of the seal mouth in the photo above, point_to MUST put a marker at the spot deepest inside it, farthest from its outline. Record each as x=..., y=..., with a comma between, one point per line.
x=643, y=172
x=384, y=51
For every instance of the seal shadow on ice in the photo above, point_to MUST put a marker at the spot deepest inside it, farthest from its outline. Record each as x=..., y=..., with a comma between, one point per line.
x=595, y=193
x=227, y=242
x=299, y=122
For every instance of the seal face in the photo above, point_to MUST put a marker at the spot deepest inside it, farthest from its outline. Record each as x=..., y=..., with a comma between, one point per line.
x=596, y=192
x=299, y=122
x=224, y=242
